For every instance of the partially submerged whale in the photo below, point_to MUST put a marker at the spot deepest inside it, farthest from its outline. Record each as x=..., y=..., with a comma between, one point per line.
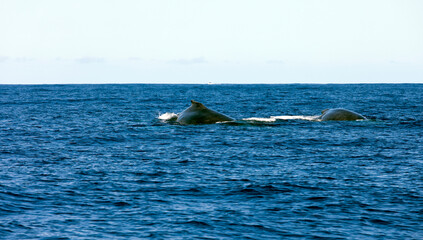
x=197, y=113
x=339, y=114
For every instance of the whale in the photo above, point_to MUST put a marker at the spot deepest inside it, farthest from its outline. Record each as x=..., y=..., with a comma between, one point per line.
x=339, y=114
x=197, y=113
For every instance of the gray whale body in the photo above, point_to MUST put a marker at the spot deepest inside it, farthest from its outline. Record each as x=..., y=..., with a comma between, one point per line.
x=197, y=113
x=339, y=114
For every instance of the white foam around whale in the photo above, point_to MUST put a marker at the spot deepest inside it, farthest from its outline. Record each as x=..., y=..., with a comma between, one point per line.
x=275, y=118
x=168, y=116
x=300, y=117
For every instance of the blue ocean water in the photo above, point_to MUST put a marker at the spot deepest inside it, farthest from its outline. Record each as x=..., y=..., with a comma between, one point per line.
x=97, y=161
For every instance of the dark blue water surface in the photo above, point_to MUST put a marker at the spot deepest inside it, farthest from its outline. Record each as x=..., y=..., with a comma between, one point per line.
x=94, y=161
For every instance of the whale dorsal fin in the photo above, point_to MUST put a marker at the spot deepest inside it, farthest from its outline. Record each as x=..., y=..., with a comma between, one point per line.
x=197, y=104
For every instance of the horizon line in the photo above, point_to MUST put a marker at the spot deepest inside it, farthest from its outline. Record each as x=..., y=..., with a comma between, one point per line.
x=307, y=83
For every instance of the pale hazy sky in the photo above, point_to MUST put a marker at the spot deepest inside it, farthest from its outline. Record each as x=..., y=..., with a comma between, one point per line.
x=220, y=41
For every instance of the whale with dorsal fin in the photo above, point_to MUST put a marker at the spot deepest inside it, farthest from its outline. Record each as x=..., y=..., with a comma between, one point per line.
x=339, y=114
x=197, y=113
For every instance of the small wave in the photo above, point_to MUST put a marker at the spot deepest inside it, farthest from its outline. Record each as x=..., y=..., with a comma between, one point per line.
x=168, y=116
x=196, y=223
x=256, y=119
x=300, y=117
x=121, y=204
x=275, y=118
x=258, y=190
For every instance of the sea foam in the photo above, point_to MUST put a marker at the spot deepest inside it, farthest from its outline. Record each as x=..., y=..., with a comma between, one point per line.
x=168, y=116
x=275, y=118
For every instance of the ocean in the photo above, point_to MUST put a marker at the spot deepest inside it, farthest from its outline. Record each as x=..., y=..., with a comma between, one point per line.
x=105, y=162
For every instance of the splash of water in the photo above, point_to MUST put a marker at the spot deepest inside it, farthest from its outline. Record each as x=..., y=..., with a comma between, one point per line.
x=168, y=116
x=275, y=118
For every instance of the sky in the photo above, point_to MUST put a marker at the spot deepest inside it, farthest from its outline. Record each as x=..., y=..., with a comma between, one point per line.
x=219, y=41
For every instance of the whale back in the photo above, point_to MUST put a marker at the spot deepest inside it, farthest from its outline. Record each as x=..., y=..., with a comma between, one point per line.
x=197, y=113
x=339, y=114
